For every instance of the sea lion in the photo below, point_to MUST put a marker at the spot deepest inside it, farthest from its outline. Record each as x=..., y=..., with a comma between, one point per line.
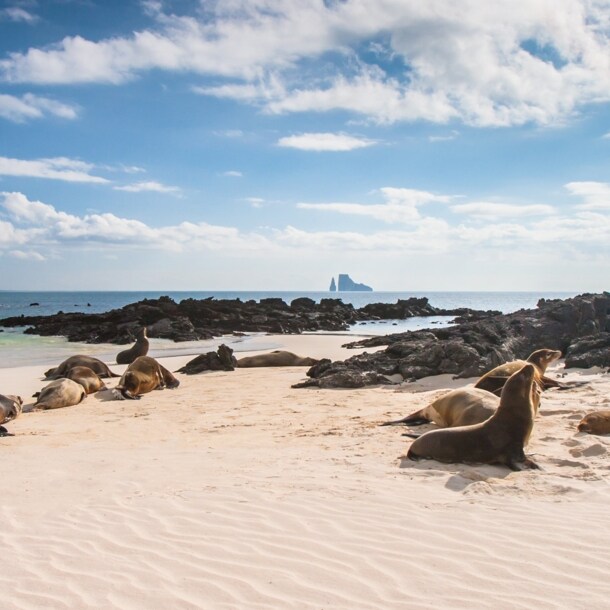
x=139, y=348
x=96, y=365
x=59, y=393
x=10, y=409
x=87, y=378
x=275, y=358
x=597, y=422
x=498, y=440
x=494, y=380
x=144, y=375
x=461, y=407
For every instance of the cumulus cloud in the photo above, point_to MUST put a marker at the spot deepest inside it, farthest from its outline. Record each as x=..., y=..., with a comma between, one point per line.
x=29, y=106
x=596, y=195
x=32, y=227
x=57, y=168
x=483, y=209
x=148, y=187
x=401, y=205
x=338, y=142
x=483, y=63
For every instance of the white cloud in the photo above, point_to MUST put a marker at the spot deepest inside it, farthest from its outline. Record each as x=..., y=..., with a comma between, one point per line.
x=325, y=142
x=147, y=187
x=58, y=168
x=255, y=202
x=483, y=63
x=17, y=14
x=30, y=255
x=484, y=209
x=232, y=173
x=445, y=138
x=29, y=106
x=595, y=194
x=400, y=206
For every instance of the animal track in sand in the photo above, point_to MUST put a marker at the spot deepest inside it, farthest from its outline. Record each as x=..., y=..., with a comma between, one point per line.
x=593, y=450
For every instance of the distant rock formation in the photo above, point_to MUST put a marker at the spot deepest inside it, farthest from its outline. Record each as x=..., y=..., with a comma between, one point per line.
x=333, y=286
x=346, y=284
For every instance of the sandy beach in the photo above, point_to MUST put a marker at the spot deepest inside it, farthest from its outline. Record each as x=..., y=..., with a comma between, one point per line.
x=236, y=491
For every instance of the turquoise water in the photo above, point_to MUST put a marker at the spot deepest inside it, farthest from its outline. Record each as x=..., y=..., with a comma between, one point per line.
x=18, y=349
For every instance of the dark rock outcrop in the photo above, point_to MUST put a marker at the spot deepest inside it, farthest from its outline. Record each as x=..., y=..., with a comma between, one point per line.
x=220, y=360
x=195, y=319
x=579, y=327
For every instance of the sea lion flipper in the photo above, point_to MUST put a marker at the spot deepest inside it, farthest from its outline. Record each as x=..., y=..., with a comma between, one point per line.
x=5, y=432
x=526, y=464
x=415, y=419
x=410, y=435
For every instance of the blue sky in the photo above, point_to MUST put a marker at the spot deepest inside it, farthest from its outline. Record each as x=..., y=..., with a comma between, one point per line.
x=271, y=144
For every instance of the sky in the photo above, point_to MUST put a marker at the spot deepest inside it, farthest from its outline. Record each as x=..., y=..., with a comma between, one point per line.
x=272, y=144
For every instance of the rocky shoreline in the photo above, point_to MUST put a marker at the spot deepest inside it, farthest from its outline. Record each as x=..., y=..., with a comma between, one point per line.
x=579, y=327
x=196, y=319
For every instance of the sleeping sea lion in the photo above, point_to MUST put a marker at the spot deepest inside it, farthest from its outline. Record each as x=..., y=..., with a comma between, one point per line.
x=461, y=407
x=59, y=393
x=139, y=348
x=275, y=358
x=87, y=378
x=499, y=440
x=10, y=409
x=494, y=380
x=597, y=422
x=144, y=375
x=96, y=365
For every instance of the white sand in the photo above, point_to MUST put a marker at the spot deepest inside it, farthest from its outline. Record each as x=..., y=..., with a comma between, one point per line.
x=236, y=491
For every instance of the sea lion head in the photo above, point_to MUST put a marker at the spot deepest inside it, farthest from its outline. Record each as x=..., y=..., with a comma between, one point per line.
x=13, y=408
x=543, y=357
x=519, y=384
x=128, y=387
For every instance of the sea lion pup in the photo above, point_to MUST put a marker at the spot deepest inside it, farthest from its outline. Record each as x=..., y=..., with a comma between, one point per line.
x=10, y=409
x=87, y=378
x=139, y=348
x=461, y=407
x=96, y=365
x=144, y=375
x=494, y=380
x=597, y=422
x=499, y=440
x=275, y=358
x=60, y=393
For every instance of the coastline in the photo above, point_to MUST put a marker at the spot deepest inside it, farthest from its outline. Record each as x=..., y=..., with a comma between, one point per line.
x=236, y=491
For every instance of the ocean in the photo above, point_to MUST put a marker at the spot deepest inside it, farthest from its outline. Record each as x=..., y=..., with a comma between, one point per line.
x=18, y=349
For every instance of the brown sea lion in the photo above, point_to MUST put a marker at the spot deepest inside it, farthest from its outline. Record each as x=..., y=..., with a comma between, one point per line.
x=59, y=393
x=275, y=358
x=10, y=408
x=461, y=407
x=494, y=380
x=96, y=365
x=87, y=378
x=597, y=422
x=144, y=375
x=139, y=348
x=499, y=440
